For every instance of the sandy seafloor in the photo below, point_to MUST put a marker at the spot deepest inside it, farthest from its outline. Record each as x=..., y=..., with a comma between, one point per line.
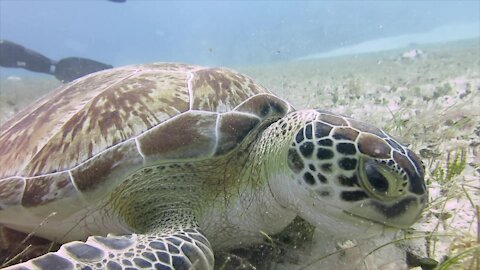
x=431, y=102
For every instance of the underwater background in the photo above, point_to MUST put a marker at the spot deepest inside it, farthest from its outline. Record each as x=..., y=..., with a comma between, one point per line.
x=411, y=67
x=228, y=33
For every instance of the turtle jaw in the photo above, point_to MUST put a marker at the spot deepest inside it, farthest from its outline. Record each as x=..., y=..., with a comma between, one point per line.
x=353, y=218
x=360, y=219
x=399, y=214
x=327, y=216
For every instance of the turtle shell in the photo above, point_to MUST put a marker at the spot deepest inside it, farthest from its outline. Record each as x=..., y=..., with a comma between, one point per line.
x=109, y=124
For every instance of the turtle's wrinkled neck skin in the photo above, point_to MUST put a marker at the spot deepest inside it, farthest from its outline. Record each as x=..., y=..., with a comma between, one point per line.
x=328, y=169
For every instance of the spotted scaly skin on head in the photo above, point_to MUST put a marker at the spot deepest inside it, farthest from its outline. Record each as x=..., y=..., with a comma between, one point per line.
x=333, y=169
x=234, y=163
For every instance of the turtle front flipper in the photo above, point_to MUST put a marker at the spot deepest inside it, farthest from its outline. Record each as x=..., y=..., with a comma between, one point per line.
x=182, y=249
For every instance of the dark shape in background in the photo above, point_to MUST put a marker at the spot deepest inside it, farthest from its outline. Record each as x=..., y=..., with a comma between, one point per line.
x=13, y=55
x=71, y=68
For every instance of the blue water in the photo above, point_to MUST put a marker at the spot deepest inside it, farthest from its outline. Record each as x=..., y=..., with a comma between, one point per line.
x=221, y=32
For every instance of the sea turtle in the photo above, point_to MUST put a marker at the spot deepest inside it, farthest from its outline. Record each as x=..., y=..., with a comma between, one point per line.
x=160, y=165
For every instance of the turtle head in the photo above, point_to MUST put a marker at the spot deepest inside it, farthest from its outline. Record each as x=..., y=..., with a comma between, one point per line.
x=340, y=169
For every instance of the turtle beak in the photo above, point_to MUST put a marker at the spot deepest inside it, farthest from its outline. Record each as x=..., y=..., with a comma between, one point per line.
x=398, y=214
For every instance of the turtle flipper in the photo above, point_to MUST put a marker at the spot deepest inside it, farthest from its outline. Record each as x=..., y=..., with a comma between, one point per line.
x=183, y=249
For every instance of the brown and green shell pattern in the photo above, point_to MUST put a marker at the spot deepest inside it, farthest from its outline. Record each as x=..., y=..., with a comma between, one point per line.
x=93, y=130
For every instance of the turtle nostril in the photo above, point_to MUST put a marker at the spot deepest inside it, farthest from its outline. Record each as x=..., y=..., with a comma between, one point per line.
x=376, y=179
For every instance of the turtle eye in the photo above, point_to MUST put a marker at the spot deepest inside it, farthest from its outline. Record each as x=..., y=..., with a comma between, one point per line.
x=380, y=181
x=376, y=179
